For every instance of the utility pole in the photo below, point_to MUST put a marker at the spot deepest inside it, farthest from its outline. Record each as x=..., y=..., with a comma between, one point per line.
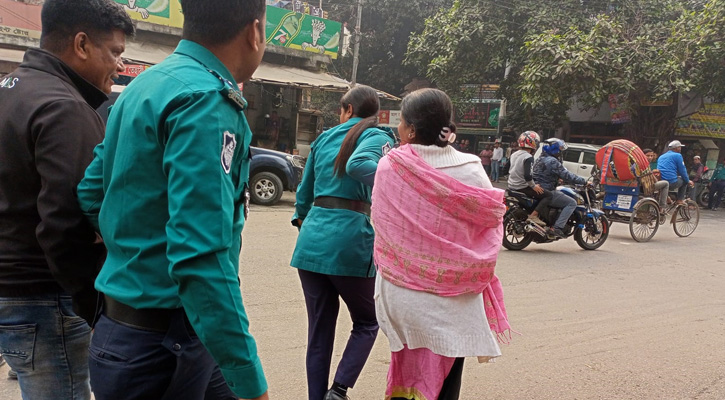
x=356, y=49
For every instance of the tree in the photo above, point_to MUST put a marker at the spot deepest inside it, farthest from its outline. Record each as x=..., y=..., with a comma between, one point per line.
x=641, y=50
x=645, y=51
x=386, y=28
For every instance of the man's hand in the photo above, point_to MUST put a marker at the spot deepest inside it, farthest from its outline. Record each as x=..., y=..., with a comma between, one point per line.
x=538, y=189
x=265, y=396
x=691, y=184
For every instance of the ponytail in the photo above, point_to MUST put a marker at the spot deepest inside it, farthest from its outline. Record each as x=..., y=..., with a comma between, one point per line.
x=350, y=141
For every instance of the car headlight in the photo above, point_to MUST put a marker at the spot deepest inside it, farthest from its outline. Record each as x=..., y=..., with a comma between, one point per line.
x=296, y=161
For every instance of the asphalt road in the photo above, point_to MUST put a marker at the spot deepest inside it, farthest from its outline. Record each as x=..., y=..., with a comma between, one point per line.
x=628, y=321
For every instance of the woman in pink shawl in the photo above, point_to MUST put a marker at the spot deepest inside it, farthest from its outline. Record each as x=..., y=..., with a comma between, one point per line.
x=438, y=230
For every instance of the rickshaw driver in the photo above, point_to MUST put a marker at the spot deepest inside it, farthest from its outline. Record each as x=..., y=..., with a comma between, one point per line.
x=673, y=170
x=547, y=172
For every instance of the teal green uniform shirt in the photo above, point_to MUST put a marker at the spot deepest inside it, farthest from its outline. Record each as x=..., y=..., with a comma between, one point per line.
x=166, y=189
x=336, y=241
x=719, y=172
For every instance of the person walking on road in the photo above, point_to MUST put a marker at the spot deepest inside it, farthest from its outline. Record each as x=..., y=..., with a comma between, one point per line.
x=717, y=186
x=438, y=224
x=496, y=161
x=166, y=189
x=486, y=156
x=49, y=255
x=333, y=254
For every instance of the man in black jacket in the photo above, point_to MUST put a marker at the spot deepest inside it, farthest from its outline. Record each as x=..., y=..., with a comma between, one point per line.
x=49, y=254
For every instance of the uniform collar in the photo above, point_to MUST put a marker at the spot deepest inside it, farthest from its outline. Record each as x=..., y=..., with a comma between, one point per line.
x=205, y=57
x=47, y=62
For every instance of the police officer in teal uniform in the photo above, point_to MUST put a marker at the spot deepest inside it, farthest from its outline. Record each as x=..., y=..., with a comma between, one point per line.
x=335, y=245
x=166, y=191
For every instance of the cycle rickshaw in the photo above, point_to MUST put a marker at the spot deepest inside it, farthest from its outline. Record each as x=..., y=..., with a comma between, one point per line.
x=628, y=185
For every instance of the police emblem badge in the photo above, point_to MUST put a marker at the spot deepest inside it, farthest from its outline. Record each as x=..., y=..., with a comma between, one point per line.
x=228, y=146
x=386, y=148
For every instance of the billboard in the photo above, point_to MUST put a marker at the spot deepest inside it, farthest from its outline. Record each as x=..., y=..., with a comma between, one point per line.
x=303, y=32
x=159, y=12
x=285, y=28
x=19, y=19
x=708, y=122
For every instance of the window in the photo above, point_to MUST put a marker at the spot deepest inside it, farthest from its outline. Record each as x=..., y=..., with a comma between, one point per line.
x=572, y=155
x=589, y=158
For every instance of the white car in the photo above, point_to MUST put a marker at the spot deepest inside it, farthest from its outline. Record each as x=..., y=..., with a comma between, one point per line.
x=578, y=159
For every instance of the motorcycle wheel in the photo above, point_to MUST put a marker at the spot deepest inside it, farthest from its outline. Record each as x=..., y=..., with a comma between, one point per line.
x=589, y=241
x=703, y=198
x=511, y=239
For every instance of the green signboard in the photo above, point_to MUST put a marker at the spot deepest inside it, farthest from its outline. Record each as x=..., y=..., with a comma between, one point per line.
x=302, y=31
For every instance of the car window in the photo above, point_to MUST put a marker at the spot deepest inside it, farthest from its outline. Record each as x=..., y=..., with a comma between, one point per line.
x=572, y=156
x=589, y=158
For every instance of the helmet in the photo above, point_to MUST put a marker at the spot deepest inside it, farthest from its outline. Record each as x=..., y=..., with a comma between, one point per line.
x=554, y=146
x=529, y=140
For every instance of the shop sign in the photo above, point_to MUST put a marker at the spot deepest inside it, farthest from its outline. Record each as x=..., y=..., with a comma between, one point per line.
x=20, y=19
x=133, y=70
x=389, y=118
x=618, y=113
x=708, y=122
x=478, y=115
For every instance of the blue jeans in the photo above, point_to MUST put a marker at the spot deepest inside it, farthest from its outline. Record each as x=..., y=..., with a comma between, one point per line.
x=495, y=168
x=681, y=188
x=567, y=206
x=128, y=363
x=47, y=345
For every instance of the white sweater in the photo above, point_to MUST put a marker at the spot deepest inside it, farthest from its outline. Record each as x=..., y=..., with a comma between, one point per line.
x=448, y=326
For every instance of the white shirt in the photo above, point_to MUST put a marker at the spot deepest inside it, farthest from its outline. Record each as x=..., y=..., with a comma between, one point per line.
x=497, y=154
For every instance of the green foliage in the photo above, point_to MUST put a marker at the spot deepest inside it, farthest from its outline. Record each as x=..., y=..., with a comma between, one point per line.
x=386, y=28
x=583, y=49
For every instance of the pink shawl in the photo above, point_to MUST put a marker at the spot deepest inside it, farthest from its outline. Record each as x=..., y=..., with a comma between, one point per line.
x=436, y=234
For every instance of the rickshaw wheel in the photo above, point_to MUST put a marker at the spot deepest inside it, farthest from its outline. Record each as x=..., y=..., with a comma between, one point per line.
x=686, y=218
x=644, y=221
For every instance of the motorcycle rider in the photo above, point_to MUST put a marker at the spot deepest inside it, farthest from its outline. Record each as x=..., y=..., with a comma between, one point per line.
x=520, y=177
x=547, y=172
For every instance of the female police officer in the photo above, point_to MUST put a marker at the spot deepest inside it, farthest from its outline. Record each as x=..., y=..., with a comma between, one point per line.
x=334, y=248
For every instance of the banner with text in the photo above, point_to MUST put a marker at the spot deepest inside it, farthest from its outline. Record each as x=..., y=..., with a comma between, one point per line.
x=708, y=122
x=19, y=19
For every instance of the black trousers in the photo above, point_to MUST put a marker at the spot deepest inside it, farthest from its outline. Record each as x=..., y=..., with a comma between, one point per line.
x=544, y=199
x=322, y=298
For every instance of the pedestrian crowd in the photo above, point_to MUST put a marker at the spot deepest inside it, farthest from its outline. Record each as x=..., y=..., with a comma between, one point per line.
x=119, y=245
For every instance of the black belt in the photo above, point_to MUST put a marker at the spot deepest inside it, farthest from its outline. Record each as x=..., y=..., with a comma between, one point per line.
x=344, y=204
x=145, y=319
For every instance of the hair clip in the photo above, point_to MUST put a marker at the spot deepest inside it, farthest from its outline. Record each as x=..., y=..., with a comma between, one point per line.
x=447, y=135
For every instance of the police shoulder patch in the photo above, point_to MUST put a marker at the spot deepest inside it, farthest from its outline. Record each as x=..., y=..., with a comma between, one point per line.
x=229, y=144
x=386, y=148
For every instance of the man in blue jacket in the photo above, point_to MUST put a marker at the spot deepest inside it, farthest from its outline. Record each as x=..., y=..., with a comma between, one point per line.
x=672, y=169
x=547, y=172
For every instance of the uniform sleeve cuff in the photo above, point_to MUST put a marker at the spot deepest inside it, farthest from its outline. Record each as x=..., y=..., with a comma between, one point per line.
x=248, y=382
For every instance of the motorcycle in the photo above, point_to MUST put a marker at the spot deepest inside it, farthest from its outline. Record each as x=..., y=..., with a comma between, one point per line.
x=588, y=225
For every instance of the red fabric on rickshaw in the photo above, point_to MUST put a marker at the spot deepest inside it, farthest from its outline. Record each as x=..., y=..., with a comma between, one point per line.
x=627, y=158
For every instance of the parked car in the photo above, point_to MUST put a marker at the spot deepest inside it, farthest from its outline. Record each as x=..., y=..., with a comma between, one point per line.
x=578, y=159
x=271, y=173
